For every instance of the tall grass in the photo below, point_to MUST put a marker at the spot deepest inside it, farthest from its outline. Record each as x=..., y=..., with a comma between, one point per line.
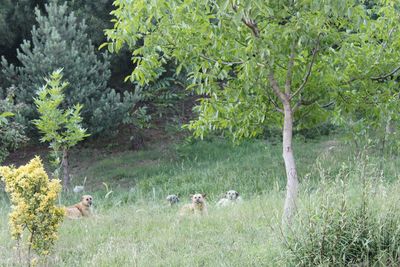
x=352, y=219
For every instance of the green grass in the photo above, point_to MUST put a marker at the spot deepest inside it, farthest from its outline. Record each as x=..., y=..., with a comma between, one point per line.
x=135, y=227
x=151, y=234
x=251, y=168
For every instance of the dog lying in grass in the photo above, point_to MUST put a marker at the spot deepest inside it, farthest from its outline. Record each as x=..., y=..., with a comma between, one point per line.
x=197, y=207
x=172, y=199
x=231, y=197
x=81, y=209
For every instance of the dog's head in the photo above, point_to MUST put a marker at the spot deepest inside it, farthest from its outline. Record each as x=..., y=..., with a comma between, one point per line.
x=173, y=199
x=87, y=200
x=198, y=198
x=232, y=195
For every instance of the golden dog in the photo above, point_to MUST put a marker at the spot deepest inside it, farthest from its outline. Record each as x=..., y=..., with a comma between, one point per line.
x=198, y=206
x=81, y=209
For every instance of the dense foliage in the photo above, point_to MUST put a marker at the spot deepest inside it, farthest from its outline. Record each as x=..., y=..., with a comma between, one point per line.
x=59, y=41
x=12, y=133
x=230, y=49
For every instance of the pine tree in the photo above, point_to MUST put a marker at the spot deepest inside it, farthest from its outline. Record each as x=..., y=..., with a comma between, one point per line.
x=59, y=41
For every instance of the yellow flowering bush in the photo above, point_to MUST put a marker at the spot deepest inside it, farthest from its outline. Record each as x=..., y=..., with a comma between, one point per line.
x=33, y=198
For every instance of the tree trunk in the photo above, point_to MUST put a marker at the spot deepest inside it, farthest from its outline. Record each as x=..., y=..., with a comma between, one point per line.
x=66, y=180
x=292, y=185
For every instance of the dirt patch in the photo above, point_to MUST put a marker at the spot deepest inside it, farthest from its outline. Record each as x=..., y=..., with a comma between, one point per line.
x=25, y=154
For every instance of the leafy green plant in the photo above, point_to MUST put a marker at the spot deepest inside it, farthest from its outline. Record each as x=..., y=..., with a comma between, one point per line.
x=61, y=128
x=12, y=133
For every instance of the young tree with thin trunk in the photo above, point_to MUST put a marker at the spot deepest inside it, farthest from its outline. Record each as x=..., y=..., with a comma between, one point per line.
x=61, y=128
x=255, y=62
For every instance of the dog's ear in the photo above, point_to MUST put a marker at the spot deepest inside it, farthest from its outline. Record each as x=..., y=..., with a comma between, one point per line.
x=191, y=196
x=237, y=194
x=82, y=198
x=204, y=195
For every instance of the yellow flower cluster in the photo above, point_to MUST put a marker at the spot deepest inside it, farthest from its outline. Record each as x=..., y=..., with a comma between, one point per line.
x=33, y=198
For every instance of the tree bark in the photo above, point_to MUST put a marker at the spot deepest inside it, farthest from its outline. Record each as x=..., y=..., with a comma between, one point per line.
x=292, y=185
x=64, y=163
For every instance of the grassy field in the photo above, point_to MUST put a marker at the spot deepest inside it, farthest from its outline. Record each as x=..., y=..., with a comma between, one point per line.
x=134, y=226
x=151, y=235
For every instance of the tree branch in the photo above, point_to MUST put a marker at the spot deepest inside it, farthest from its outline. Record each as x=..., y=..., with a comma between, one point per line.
x=378, y=78
x=328, y=104
x=252, y=24
x=275, y=87
x=305, y=79
x=386, y=75
x=277, y=108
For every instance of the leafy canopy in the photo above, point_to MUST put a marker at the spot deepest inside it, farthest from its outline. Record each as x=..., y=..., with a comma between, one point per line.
x=232, y=48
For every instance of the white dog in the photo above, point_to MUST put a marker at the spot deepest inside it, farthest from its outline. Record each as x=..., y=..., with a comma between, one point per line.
x=231, y=197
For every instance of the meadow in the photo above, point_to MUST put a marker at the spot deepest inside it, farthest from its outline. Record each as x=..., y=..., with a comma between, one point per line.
x=134, y=226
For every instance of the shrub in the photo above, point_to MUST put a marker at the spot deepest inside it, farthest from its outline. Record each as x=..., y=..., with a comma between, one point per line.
x=32, y=197
x=12, y=133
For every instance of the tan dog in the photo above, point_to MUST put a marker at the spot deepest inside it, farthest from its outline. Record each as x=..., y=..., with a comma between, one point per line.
x=198, y=206
x=81, y=209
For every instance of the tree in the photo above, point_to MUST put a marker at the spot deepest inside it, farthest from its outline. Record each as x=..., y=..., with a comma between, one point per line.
x=16, y=20
x=96, y=14
x=61, y=128
x=59, y=41
x=255, y=62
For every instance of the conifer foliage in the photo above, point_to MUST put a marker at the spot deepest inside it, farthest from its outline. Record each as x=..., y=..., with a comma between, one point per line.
x=59, y=41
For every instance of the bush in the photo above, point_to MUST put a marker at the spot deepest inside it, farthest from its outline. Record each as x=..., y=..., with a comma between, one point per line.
x=33, y=198
x=12, y=133
x=347, y=225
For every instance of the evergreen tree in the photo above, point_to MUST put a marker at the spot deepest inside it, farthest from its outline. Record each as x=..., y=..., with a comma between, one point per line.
x=96, y=14
x=59, y=41
x=16, y=20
